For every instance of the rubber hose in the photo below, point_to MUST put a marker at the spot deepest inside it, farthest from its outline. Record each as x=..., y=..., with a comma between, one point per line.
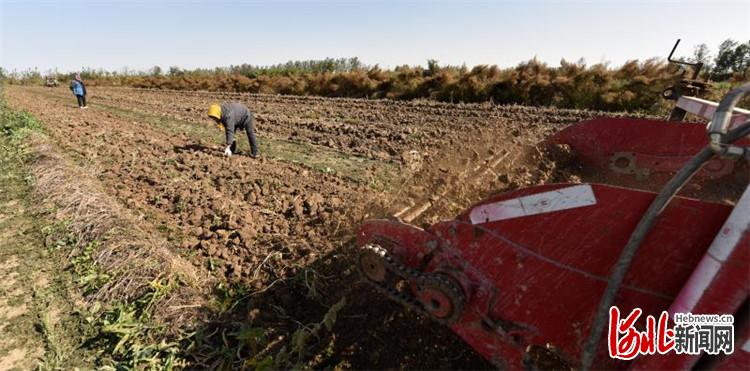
x=639, y=234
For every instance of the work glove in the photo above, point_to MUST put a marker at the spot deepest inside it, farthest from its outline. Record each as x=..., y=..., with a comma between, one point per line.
x=228, y=151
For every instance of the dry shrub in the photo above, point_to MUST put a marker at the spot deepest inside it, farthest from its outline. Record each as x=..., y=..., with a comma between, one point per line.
x=265, y=85
x=320, y=84
x=129, y=251
x=635, y=86
x=290, y=85
x=438, y=84
x=405, y=83
x=356, y=84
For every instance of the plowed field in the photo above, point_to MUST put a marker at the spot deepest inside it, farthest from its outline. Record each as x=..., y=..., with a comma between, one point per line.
x=281, y=227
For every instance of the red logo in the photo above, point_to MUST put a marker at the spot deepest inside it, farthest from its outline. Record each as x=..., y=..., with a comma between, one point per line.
x=626, y=342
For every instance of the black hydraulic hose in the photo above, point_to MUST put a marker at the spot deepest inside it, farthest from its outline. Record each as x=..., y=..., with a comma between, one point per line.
x=639, y=234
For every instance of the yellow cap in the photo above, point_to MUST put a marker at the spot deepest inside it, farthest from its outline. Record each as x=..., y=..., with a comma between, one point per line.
x=214, y=111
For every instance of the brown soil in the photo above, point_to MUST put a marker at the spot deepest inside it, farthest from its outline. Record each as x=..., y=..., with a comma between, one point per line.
x=282, y=229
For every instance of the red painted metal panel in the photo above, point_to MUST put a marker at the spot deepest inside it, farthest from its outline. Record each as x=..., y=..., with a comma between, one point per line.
x=551, y=268
x=724, y=295
x=538, y=279
x=640, y=148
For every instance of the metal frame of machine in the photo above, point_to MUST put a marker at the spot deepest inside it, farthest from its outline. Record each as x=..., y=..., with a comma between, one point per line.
x=527, y=277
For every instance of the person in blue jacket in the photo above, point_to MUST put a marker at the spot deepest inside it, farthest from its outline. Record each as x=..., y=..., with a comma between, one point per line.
x=79, y=90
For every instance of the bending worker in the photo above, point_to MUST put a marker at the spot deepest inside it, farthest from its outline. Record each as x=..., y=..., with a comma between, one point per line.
x=234, y=116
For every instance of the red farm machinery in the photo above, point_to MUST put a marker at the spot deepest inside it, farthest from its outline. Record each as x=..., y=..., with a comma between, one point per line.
x=527, y=278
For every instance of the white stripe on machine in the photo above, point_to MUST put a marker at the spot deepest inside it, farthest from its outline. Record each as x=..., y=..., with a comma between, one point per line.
x=726, y=241
x=540, y=203
x=706, y=109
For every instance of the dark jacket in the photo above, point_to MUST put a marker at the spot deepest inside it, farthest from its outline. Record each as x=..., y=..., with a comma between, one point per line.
x=233, y=116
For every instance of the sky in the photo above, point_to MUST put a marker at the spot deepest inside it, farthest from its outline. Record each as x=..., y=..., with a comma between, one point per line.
x=70, y=35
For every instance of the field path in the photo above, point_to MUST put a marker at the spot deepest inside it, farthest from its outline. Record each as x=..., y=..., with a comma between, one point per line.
x=20, y=343
x=24, y=273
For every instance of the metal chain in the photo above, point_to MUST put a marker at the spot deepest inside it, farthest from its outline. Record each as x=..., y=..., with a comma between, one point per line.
x=402, y=271
x=412, y=276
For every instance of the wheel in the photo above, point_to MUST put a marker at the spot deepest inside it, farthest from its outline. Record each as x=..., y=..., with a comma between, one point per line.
x=442, y=298
x=669, y=93
x=371, y=264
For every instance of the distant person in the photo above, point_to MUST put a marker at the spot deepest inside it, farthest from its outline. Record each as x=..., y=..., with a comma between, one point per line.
x=234, y=116
x=79, y=90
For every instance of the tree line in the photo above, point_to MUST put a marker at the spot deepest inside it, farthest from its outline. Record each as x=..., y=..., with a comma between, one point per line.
x=635, y=85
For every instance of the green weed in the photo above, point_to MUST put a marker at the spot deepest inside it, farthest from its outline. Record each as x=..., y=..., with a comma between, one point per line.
x=16, y=125
x=89, y=276
x=132, y=339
